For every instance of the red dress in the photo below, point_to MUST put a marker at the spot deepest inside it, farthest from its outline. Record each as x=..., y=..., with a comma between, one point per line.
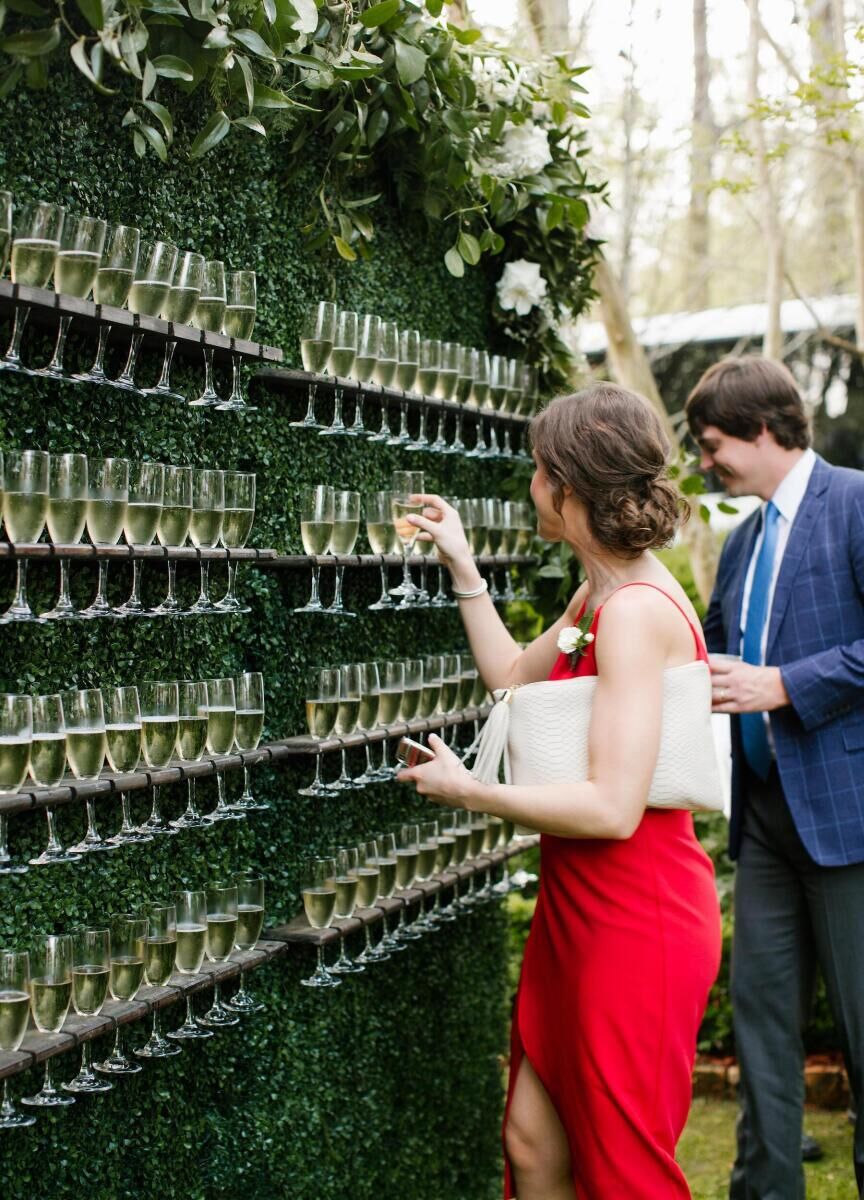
x=623, y=950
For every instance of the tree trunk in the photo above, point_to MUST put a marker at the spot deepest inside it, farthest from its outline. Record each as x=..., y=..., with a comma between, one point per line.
x=701, y=156
x=853, y=163
x=550, y=20
x=630, y=368
x=772, y=230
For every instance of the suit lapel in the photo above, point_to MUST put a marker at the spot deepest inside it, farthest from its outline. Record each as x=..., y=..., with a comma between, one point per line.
x=736, y=591
x=799, y=535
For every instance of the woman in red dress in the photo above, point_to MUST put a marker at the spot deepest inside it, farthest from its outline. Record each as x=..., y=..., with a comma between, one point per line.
x=625, y=941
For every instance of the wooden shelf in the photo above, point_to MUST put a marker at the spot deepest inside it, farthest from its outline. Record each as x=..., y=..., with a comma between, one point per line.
x=275, y=944
x=110, y=784
x=248, y=554
x=47, y=307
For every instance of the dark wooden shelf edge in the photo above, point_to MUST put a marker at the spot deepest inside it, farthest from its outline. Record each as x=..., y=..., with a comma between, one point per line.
x=111, y=785
x=261, y=558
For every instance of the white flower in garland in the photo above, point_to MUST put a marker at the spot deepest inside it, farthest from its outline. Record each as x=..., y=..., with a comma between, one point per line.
x=496, y=82
x=521, y=286
x=525, y=148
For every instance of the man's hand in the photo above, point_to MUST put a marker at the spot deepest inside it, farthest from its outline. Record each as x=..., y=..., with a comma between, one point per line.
x=739, y=687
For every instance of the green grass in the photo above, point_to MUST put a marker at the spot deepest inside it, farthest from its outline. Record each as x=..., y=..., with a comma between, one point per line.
x=707, y=1149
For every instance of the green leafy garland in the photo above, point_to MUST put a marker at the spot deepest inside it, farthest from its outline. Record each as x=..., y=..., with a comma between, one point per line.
x=493, y=147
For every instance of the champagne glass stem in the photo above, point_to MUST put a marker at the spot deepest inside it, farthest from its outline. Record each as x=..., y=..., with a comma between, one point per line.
x=20, y=609
x=204, y=593
x=236, y=399
x=404, y=434
x=407, y=581
x=97, y=371
x=100, y=603
x=64, y=600
x=230, y=599
x=55, y=846
x=357, y=427
x=164, y=384
x=310, y=418
x=55, y=366
x=5, y=857
x=92, y=834
x=337, y=425
x=457, y=445
x=127, y=375
x=13, y=354
x=169, y=604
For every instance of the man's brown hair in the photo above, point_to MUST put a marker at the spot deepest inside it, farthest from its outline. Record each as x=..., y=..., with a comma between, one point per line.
x=741, y=395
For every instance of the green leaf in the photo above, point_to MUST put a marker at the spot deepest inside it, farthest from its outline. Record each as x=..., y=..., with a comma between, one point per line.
x=169, y=66
x=410, y=62
x=217, y=39
x=267, y=97
x=154, y=137
x=343, y=249
x=363, y=202
x=10, y=80
x=171, y=8
x=730, y=509
x=379, y=13
x=211, y=135
x=161, y=113
x=433, y=7
x=254, y=43
x=270, y=11
x=149, y=79
x=251, y=123
x=139, y=143
x=308, y=61
x=465, y=37
x=496, y=125
x=27, y=8
x=242, y=64
x=454, y=262
x=469, y=248
x=92, y=12
x=78, y=54
x=377, y=126
x=705, y=513
x=692, y=485
x=31, y=43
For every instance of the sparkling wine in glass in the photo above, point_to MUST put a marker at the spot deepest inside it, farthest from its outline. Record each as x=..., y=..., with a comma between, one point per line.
x=5, y=230
x=146, y=496
x=407, y=364
x=205, y=528
x=322, y=708
x=347, y=859
x=317, y=512
x=427, y=380
x=14, y=1017
x=347, y=716
x=340, y=365
x=113, y=280
x=16, y=736
x=219, y=942
x=249, y=695
x=123, y=749
x=319, y=902
x=317, y=332
x=250, y=922
x=370, y=347
x=208, y=316
x=178, y=307
x=238, y=321
x=221, y=731
x=91, y=963
x=66, y=519
x=160, y=721
x=236, y=529
x=172, y=531
x=47, y=767
x=479, y=399
x=86, y=744
x=368, y=891
x=367, y=719
x=392, y=676
x=50, y=997
x=445, y=389
x=25, y=508
x=151, y=284
x=191, y=946
x=406, y=486
x=191, y=744
x=464, y=386
x=38, y=229
x=382, y=538
x=125, y=976
x=75, y=268
x=160, y=954
x=107, y=497
x=343, y=536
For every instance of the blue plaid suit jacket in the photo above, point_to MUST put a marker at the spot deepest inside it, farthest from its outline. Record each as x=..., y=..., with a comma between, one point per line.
x=816, y=637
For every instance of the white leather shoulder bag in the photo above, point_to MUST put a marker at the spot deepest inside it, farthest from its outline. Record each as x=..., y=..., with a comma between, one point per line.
x=540, y=730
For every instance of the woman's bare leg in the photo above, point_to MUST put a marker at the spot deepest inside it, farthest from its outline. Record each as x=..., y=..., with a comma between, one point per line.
x=536, y=1142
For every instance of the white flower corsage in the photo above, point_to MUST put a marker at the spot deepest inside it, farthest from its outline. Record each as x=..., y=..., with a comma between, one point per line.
x=575, y=640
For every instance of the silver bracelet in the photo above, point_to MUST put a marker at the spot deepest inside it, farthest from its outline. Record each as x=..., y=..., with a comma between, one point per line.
x=478, y=591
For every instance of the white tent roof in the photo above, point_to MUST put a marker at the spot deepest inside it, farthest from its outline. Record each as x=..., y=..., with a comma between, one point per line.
x=723, y=324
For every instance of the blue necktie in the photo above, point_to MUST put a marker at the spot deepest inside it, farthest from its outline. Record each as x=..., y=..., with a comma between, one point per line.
x=753, y=732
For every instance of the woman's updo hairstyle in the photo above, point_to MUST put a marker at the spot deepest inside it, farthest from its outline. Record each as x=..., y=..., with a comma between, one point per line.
x=609, y=447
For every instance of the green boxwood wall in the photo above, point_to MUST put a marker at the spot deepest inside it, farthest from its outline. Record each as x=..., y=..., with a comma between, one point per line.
x=390, y=1086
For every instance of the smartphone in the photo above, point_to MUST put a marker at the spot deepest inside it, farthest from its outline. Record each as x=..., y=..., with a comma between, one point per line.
x=411, y=754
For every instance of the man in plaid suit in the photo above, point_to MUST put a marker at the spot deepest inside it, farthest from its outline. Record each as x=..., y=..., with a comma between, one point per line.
x=789, y=600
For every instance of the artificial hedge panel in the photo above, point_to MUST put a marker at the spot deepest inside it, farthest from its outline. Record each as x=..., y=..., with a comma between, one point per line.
x=389, y=1086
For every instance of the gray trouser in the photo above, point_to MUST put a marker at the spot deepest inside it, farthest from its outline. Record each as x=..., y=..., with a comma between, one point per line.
x=790, y=917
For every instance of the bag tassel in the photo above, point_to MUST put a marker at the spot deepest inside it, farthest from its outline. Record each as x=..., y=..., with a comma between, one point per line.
x=491, y=744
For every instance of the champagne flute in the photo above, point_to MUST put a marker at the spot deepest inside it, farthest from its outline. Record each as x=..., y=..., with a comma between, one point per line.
x=160, y=719
x=125, y=976
x=427, y=379
x=452, y=845
x=392, y=675
x=160, y=955
x=250, y=922
x=91, y=959
x=191, y=743
x=451, y=678
x=347, y=715
x=491, y=840
x=113, y=281
x=387, y=865
x=343, y=535
x=427, y=854
x=478, y=527
x=5, y=229
x=191, y=946
x=366, y=365
x=407, y=855
x=86, y=744
x=107, y=497
x=445, y=389
x=123, y=748
x=175, y=518
x=317, y=332
x=433, y=674
x=236, y=527
x=50, y=997
x=407, y=365
x=75, y=268
x=25, y=507
x=208, y=316
x=249, y=695
x=499, y=383
x=509, y=540
x=178, y=307
x=339, y=365
x=66, y=518
x=205, y=528
x=464, y=385
x=479, y=397
x=427, y=551
x=238, y=321
x=16, y=737
x=219, y=942
x=47, y=766
x=445, y=845
x=347, y=859
x=412, y=688
x=151, y=283
x=505, y=885
x=368, y=890
x=319, y=901
x=146, y=496
x=322, y=707
x=370, y=702
x=317, y=511
x=386, y=363
x=38, y=229
x=405, y=485
x=15, y=1010
x=221, y=730
x=382, y=538
x=494, y=538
